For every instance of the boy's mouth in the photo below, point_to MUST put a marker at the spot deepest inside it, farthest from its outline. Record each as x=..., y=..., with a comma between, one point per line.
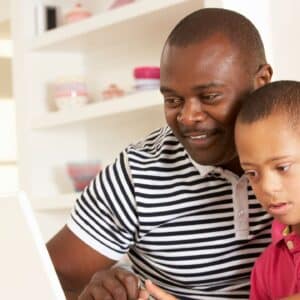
x=280, y=208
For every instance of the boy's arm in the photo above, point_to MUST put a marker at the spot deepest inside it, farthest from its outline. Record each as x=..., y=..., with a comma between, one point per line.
x=81, y=268
x=294, y=297
x=258, y=290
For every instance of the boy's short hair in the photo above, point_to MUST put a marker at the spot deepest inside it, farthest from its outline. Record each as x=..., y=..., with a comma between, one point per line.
x=204, y=23
x=276, y=97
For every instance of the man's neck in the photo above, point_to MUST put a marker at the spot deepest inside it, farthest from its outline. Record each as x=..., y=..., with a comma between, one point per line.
x=234, y=166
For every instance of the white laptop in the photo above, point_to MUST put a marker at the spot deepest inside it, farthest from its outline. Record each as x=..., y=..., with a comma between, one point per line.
x=26, y=271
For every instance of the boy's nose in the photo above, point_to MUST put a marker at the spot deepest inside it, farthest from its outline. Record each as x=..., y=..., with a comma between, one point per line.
x=191, y=112
x=270, y=185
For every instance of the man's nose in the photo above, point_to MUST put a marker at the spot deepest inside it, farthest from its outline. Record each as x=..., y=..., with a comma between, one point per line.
x=191, y=112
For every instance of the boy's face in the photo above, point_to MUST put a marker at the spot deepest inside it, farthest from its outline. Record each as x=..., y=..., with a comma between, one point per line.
x=269, y=152
x=202, y=85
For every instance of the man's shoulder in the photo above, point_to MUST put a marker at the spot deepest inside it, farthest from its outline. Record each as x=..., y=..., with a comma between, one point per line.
x=160, y=142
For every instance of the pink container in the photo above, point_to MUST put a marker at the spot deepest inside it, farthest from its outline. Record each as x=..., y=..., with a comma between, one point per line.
x=118, y=3
x=78, y=13
x=146, y=72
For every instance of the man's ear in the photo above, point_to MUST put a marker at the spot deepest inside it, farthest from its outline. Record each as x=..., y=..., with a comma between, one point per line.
x=263, y=76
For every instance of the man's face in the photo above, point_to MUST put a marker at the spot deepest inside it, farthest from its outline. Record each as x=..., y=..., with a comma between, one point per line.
x=269, y=152
x=202, y=85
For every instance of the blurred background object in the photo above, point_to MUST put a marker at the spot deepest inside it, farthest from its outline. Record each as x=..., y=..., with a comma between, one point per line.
x=8, y=149
x=118, y=3
x=81, y=173
x=77, y=13
x=70, y=93
x=146, y=77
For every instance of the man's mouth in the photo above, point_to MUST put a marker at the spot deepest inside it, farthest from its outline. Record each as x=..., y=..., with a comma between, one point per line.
x=200, y=134
x=199, y=137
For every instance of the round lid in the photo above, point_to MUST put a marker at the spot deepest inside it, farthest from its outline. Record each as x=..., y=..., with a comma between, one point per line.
x=146, y=72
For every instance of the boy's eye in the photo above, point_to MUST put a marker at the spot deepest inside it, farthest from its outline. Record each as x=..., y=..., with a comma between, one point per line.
x=283, y=168
x=251, y=173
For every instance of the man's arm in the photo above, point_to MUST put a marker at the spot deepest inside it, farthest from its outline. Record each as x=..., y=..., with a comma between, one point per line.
x=82, y=270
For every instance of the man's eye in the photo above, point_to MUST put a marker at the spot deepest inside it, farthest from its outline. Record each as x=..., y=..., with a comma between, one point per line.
x=209, y=97
x=172, y=101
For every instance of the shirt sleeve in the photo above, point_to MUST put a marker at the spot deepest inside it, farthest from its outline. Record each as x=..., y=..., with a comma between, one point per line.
x=258, y=290
x=104, y=216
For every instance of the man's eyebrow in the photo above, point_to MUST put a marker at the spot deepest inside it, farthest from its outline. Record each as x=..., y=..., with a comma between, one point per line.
x=207, y=86
x=164, y=89
x=199, y=87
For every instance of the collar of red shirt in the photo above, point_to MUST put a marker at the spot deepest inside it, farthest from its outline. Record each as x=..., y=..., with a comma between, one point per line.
x=281, y=232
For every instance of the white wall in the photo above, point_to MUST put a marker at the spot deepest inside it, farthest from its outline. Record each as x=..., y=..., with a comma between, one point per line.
x=286, y=44
x=8, y=153
x=4, y=10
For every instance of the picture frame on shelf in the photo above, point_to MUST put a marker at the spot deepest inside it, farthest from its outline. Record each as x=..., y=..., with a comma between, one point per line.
x=47, y=17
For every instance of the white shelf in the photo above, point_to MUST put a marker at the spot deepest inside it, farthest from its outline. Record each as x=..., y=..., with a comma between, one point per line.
x=54, y=203
x=116, y=26
x=130, y=103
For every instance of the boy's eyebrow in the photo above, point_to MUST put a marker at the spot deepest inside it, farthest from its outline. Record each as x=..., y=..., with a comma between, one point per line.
x=278, y=158
x=245, y=163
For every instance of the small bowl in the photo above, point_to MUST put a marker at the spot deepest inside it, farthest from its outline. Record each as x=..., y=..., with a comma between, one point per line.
x=70, y=93
x=78, y=13
x=81, y=173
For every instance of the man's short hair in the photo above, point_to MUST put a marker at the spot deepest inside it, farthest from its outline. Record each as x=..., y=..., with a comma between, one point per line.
x=204, y=23
x=278, y=97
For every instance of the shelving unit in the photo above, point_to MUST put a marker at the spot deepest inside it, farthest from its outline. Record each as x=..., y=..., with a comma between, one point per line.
x=103, y=49
x=138, y=101
x=126, y=20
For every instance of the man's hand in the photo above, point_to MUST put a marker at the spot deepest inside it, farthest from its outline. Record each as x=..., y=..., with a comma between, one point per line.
x=154, y=291
x=113, y=284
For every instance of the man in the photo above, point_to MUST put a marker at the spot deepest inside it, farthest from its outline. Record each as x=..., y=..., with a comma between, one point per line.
x=175, y=202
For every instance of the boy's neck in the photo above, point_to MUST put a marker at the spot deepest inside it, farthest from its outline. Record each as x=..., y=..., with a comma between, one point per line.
x=295, y=228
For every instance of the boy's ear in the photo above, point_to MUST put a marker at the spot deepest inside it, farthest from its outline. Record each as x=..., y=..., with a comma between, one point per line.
x=263, y=76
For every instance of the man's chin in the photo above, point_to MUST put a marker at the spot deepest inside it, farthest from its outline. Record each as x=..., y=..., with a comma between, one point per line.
x=215, y=160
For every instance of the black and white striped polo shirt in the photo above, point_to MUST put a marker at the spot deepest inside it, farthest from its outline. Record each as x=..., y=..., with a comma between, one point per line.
x=193, y=230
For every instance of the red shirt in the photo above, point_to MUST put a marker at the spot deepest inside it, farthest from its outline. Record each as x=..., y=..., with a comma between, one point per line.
x=276, y=273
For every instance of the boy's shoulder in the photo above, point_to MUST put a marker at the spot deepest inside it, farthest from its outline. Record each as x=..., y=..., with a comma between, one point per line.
x=270, y=255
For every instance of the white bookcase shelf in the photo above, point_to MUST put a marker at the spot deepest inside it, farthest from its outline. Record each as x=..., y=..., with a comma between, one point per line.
x=136, y=20
x=102, y=49
x=137, y=101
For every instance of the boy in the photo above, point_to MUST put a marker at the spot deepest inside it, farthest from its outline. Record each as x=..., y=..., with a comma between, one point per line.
x=267, y=136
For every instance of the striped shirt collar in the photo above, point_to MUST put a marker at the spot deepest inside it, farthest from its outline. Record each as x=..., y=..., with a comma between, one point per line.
x=206, y=170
